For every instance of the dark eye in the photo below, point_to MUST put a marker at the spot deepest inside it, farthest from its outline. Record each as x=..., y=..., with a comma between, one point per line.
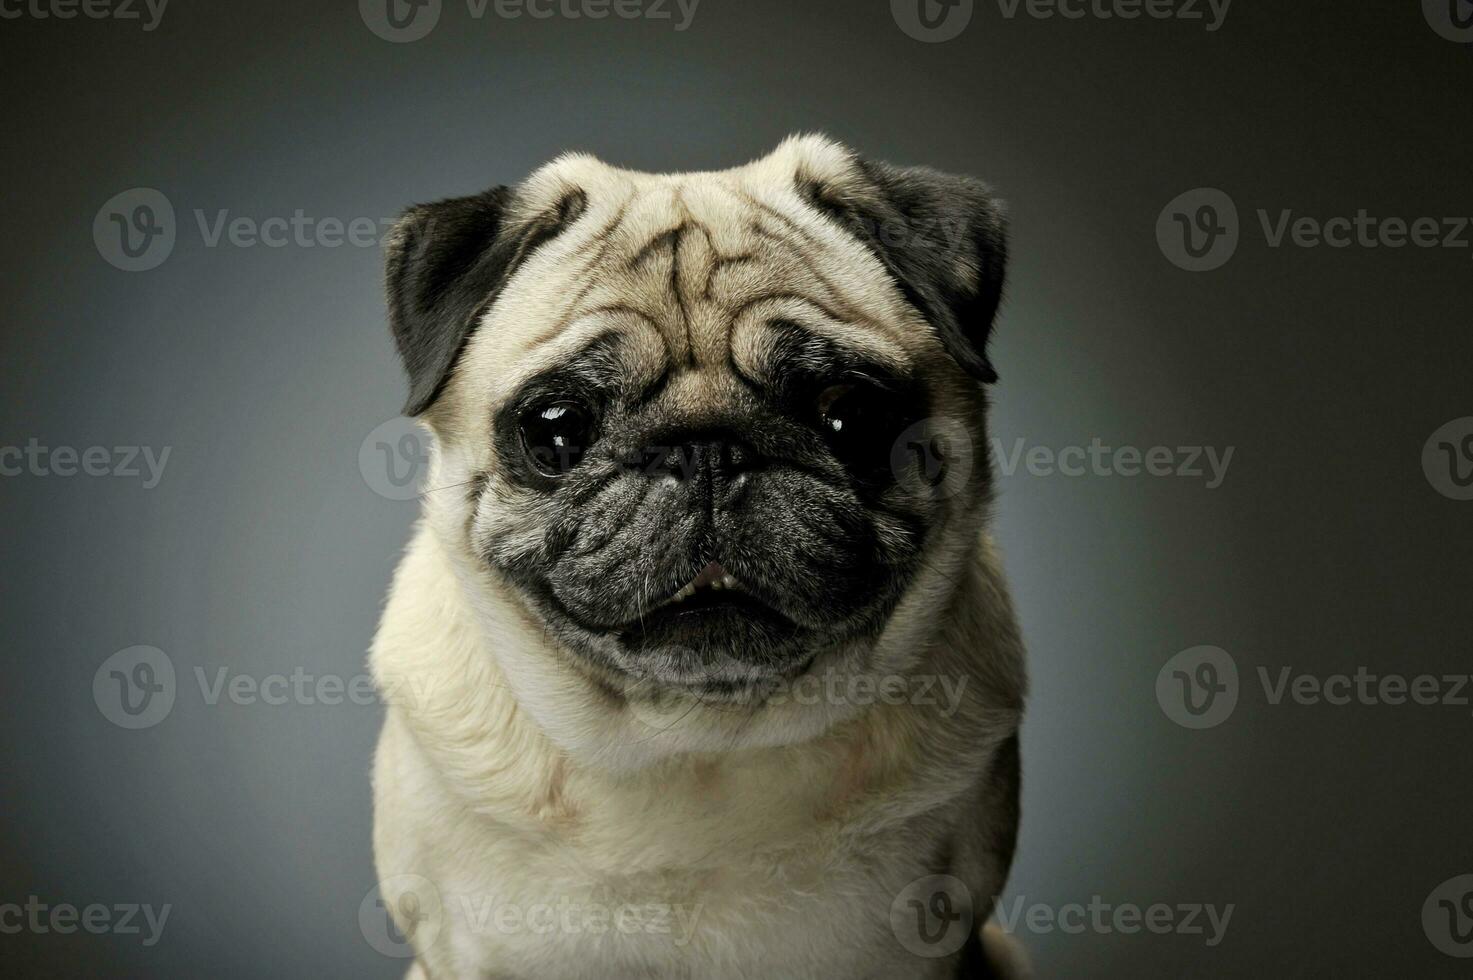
x=555, y=436
x=860, y=421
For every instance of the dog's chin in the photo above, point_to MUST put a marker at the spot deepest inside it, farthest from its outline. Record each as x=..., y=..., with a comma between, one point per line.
x=716, y=644
x=718, y=647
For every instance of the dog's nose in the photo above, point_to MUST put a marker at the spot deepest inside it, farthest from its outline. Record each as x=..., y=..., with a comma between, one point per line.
x=709, y=464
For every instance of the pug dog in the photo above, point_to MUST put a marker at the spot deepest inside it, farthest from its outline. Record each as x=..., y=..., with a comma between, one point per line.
x=701, y=663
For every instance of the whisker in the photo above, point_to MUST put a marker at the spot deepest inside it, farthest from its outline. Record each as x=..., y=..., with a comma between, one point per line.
x=452, y=486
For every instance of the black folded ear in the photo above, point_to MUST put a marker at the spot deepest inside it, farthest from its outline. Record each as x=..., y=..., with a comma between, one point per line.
x=446, y=264
x=942, y=237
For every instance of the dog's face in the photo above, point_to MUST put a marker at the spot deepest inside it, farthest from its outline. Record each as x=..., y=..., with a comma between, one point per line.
x=706, y=426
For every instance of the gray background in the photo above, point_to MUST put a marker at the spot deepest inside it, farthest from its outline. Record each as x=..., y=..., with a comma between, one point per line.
x=264, y=549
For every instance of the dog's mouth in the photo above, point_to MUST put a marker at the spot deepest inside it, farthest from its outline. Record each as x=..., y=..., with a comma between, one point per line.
x=710, y=600
x=724, y=627
x=712, y=584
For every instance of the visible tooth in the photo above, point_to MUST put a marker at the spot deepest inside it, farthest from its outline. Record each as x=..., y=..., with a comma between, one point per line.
x=729, y=582
x=718, y=585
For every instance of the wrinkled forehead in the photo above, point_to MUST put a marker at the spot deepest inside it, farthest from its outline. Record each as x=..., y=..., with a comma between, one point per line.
x=701, y=273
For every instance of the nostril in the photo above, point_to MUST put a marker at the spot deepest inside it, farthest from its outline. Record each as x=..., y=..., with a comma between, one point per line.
x=685, y=462
x=709, y=458
x=738, y=458
x=664, y=461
